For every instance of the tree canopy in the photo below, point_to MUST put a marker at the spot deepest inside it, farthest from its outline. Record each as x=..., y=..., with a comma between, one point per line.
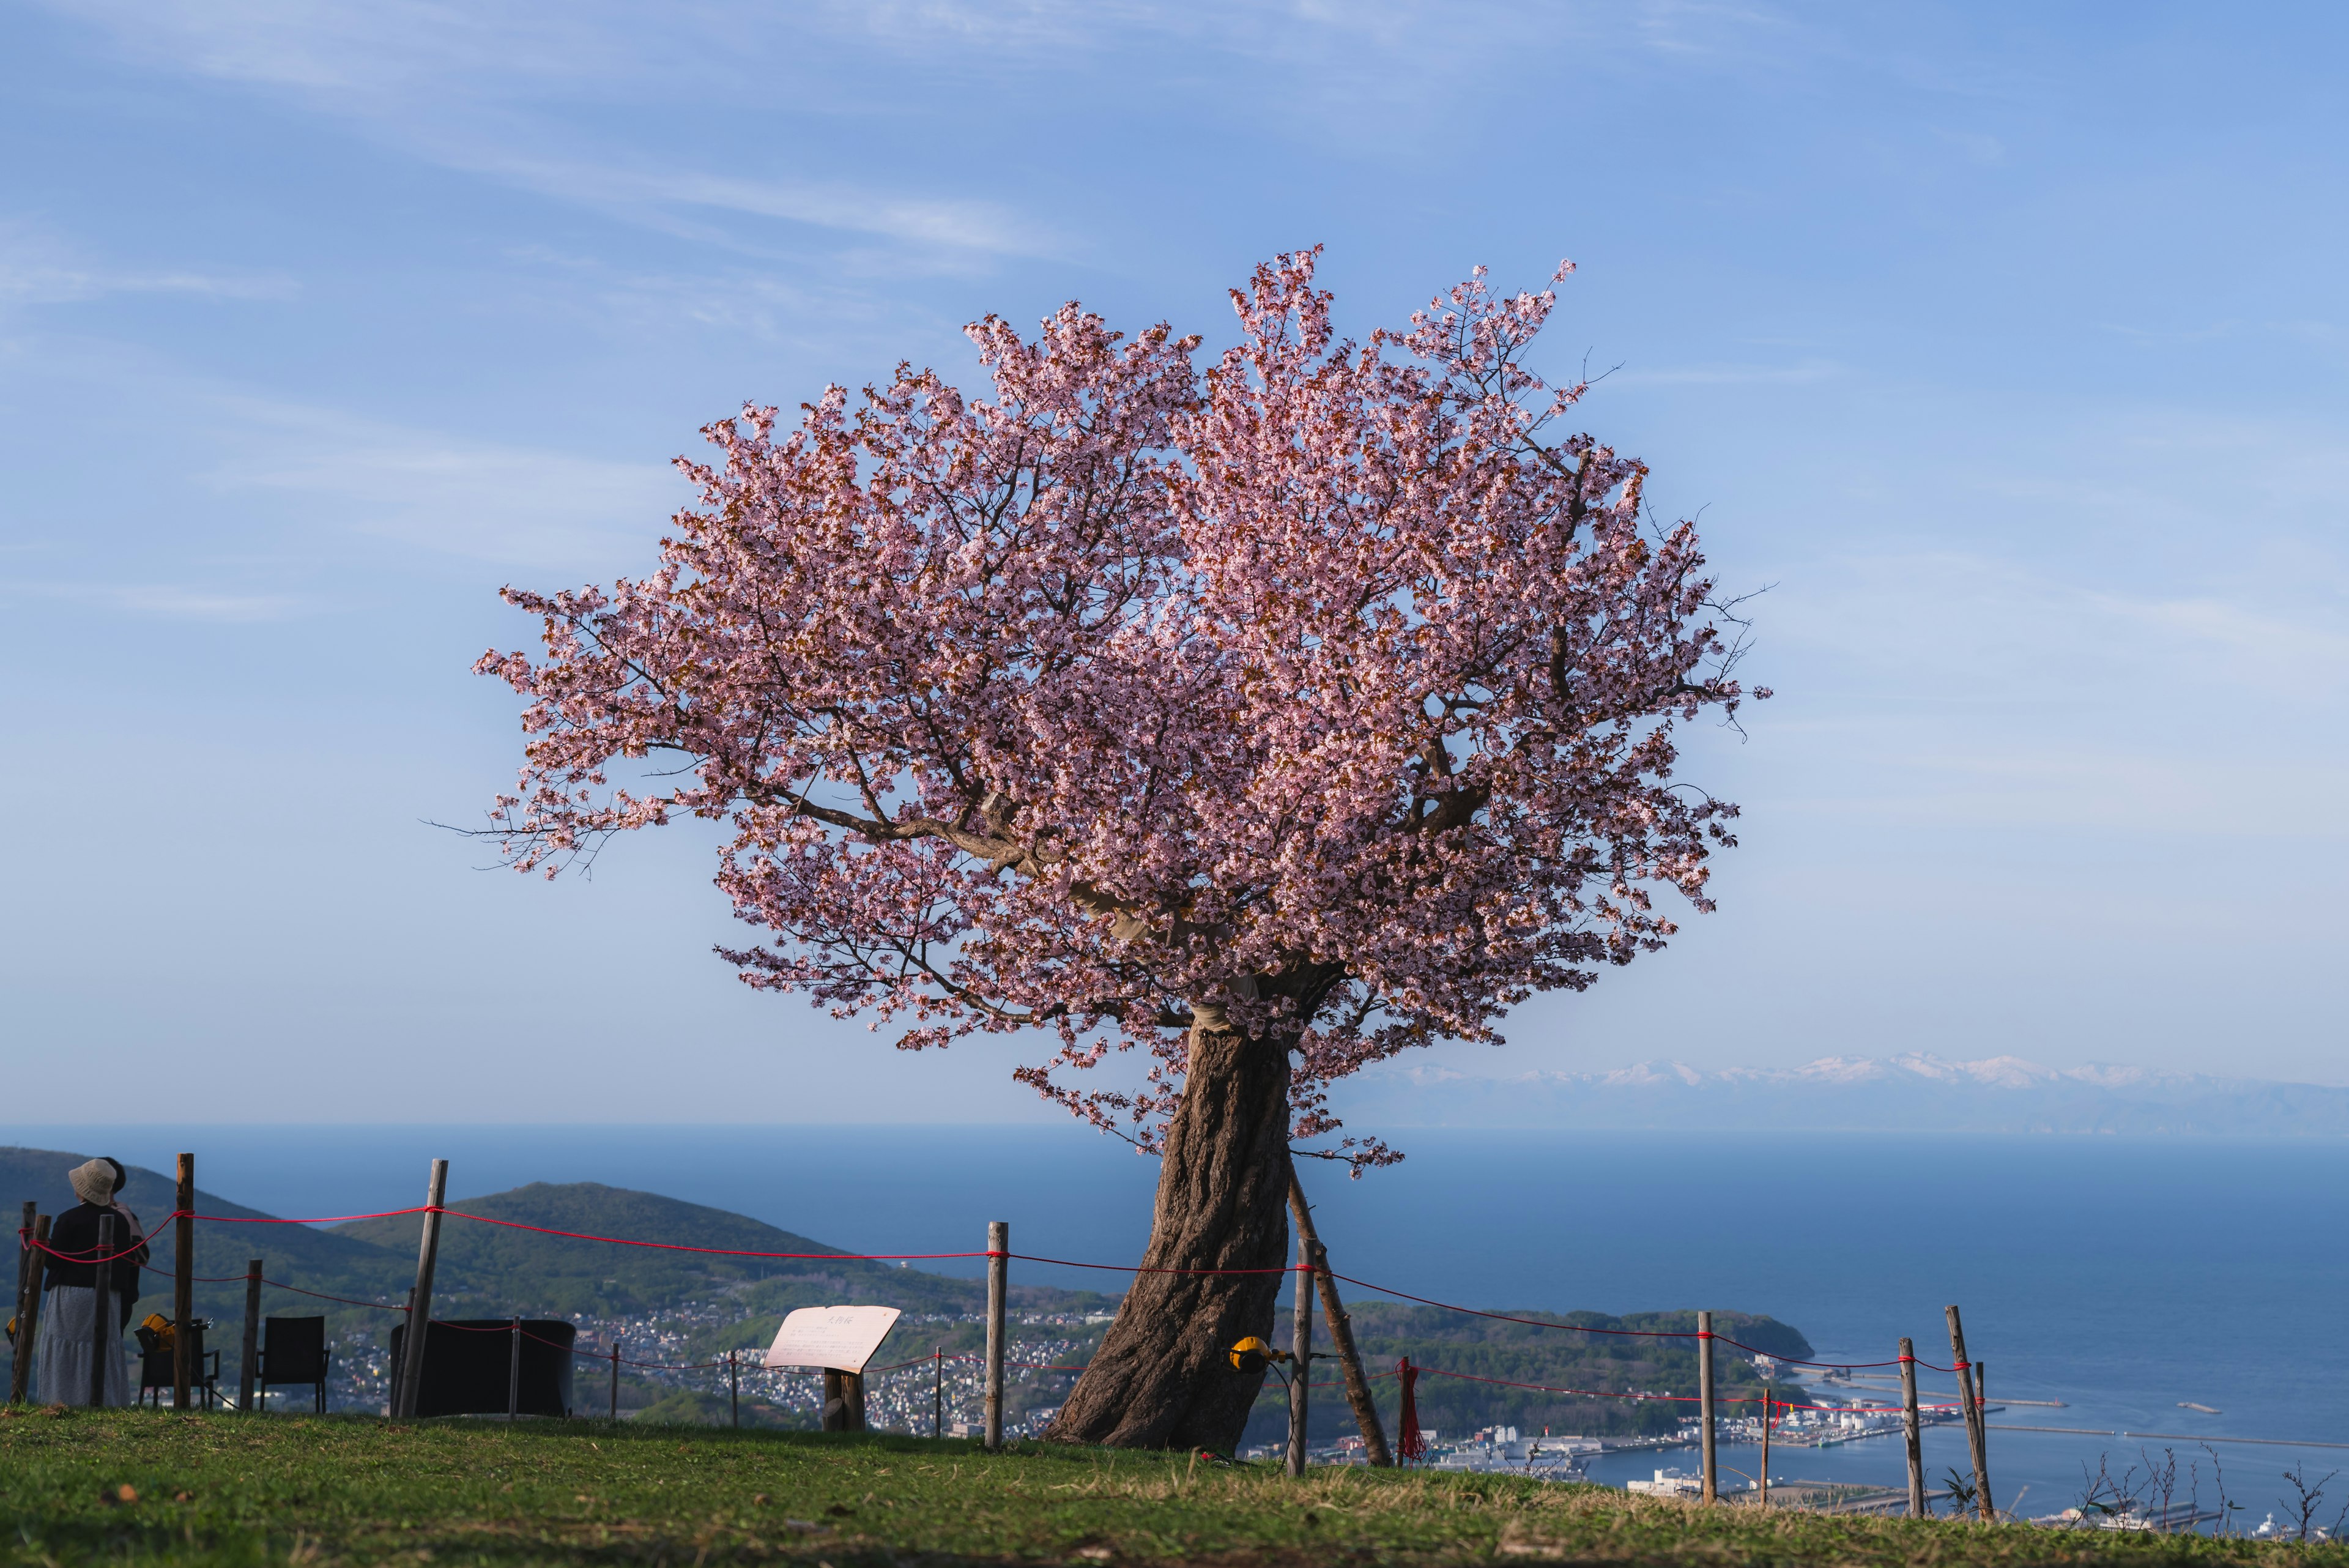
x=1328, y=694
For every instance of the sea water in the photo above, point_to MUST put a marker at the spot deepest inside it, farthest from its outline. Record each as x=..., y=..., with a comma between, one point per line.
x=2119, y=1276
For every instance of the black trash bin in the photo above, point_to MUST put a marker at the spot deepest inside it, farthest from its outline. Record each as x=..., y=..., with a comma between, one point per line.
x=468, y=1363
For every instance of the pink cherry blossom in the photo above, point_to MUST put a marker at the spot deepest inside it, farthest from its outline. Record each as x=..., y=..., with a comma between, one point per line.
x=1327, y=695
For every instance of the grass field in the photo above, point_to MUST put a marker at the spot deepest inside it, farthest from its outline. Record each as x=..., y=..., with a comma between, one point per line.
x=137, y=1488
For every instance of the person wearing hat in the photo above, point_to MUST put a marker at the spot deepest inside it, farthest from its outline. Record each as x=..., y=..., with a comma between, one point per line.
x=70, y=1277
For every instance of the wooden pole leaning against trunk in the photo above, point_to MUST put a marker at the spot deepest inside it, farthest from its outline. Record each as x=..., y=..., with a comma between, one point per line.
x=1910, y=1424
x=29, y=1278
x=1342, y=1330
x=183, y=1285
x=420, y=1298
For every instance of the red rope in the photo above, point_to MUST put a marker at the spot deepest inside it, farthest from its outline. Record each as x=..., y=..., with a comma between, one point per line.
x=320, y=1219
x=716, y=1251
x=31, y=1241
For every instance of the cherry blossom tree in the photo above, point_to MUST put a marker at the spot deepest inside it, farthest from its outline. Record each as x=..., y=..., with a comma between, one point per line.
x=1259, y=723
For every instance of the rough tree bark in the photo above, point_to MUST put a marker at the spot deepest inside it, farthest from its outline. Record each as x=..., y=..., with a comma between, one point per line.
x=1161, y=1379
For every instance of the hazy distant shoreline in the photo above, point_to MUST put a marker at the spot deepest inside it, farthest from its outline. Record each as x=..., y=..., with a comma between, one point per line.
x=1913, y=1093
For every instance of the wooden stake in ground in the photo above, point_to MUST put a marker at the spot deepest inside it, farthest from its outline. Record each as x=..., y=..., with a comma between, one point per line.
x=734, y=1387
x=1910, y=1429
x=514, y=1374
x=1973, y=1408
x=1704, y=1401
x=938, y=1392
x=102, y=1311
x=1342, y=1330
x=28, y=1322
x=615, y=1379
x=1765, y=1482
x=420, y=1300
x=28, y=1273
x=998, y=1287
x=247, y=1369
x=1300, y=1355
x=184, y=1285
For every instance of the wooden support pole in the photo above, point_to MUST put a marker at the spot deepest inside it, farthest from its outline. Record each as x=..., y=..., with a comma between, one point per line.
x=1342, y=1330
x=1765, y=1482
x=1972, y=1406
x=1300, y=1359
x=183, y=1285
x=29, y=1280
x=851, y=1390
x=734, y=1387
x=998, y=1285
x=938, y=1392
x=1704, y=1402
x=102, y=1311
x=1911, y=1425
x=247, y=1369
x=28, y=1323
x=834, y=1417
x=420, y=1298
x=615, y=1379
x=513, y=1373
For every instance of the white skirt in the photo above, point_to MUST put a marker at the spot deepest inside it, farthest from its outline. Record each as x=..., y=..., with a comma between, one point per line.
x=61, y=1367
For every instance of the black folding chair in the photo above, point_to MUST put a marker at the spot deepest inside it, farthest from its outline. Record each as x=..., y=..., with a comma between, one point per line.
x=294, y=1350
x=159, y=1369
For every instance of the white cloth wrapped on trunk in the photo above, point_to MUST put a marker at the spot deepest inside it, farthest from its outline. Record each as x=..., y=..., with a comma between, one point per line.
x=61, y=1365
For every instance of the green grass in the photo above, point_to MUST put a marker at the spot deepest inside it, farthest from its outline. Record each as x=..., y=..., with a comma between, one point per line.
x=320, y=1490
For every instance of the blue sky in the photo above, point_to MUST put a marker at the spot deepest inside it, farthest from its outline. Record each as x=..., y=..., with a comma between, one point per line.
x=2005, y=345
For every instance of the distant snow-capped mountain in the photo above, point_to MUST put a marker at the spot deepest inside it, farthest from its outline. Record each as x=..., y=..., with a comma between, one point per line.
x=1917, y=1091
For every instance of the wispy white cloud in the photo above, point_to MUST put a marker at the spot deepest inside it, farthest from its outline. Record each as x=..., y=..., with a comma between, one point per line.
x=37, y=267
x=1803, y=373
x=174, y=601
x=513, y=504
x=490, y=90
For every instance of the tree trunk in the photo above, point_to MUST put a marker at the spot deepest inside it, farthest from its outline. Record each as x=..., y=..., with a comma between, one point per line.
x=1162, y=1377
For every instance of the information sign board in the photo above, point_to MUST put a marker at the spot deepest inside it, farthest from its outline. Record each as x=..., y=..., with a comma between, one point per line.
x=840, y=1336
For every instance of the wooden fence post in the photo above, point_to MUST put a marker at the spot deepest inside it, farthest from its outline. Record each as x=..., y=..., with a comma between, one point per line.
x=733, y=1389
x=1300, y=1353
x=1704, y=1401
x=1765, y=1482
x=183, y=1285
x=514, y=1374
x=28, y=1322
x=1910, y=1429
x=102, y=1311
x=1342, y=1330
x=420, y=1300
x=28, y=1275
x=938, y=1392
x=246, y=1370
x=999, y=1285
x=615, y=1379
x=1973, y=1408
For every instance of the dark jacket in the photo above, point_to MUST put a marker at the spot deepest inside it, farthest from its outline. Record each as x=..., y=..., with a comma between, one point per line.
x=74, y=1234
